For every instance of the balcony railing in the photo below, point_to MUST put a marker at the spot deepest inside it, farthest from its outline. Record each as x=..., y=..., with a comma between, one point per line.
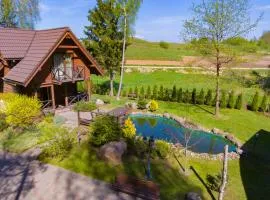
x=77, y=98
x=46, y=104
x=71, y=74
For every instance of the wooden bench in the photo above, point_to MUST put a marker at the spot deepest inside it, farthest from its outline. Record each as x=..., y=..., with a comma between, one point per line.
x=136, y=187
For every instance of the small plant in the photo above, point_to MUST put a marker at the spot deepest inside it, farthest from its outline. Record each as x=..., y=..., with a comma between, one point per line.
x=154, y=96
x=141, y=104
x=174, y=94
x=103, y=130
x=193, y=96
x=231, y=100
x=200, y=99
x=239, y=102
x=255, y=102
x=180, y=95
x=162, y=148
x=161, y=93
x=208, y=98
x=129, y=130
x=263, y=106
x=83, y=106
x=153, y=106
x=164, y=45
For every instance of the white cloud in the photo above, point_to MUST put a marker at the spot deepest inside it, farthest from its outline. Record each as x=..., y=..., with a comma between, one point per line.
x=264, y=7
x=139, y=36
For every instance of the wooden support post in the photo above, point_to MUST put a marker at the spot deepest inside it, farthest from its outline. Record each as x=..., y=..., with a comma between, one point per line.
x=36, y=93
x=66, y=96
x=53, y=97
x=88, y=89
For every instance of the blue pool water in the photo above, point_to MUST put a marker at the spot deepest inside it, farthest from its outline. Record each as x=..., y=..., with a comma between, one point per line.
x=171, y=131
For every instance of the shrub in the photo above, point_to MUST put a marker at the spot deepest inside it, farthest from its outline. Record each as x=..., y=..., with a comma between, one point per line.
x=214, y=182
x=239, y=102
x=161, y=93
x=263, y=106
x=162, y=148
x=141, y=104
x=153, y=105
x=129, y=130
x=136, y=92
x=167, y=95
x=231, y=100
x=193, y=96
x=154, y=96
x=180, y=95
x=21, y=111
x=142, y=92
x=164, y=45
x=255, y=102
x=208, y=98
x=83, y=106
x=137, y=147
x=148, y=92
x=223, y=102
x=174, y=94
x=103, y=130
x=200, y=99
x=61, y=144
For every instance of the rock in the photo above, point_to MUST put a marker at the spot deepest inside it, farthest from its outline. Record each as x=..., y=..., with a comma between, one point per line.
x=192, y=196
x=113, y=151
x=133, y=106
x=167, y=115
x=99, y=102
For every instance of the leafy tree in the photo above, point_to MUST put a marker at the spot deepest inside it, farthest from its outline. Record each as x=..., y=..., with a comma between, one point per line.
x=22, y=14
x=208, y=98
x=174, y=94
x=154, y=96
x=164, y=45
x=213, y=22
x=239, y=102
x=180, y=95
x=148, y=92
x=142, y=93
x=105, y=36
x=193, y=96
x=223, y=102
x=200, y=99
x=231, y=100
x=255, y=102
x=161, y=93
x=264, y=102
x=129, y=10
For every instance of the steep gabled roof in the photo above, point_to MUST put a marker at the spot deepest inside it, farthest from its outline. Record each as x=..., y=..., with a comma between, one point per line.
x=37, y=47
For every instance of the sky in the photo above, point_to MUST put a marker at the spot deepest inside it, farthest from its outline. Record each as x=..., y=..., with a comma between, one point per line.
x=157, y=19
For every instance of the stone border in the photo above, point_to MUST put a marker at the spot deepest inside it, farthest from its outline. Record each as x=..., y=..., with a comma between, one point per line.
x=187, y=124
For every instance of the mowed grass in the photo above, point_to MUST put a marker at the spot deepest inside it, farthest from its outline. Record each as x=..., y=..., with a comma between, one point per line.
x=144, y=50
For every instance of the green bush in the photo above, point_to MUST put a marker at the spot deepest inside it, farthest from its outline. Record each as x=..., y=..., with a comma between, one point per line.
x=162, y=148
x=161, y=93
x=148, y=92
x=264, y=103
x=255, y=102
x=193, y=96
x=180, y=95
x=142, y=92
x=103, y=130
x=239, y=102
x=141, y=104
x=21, y=111
x=155, y=96
x=231, y=100
x=200, y=99
x=174, y=94
x=164, y=45
x=84, y=106
x=61, y=144
x=223, y=102
x=208, y=98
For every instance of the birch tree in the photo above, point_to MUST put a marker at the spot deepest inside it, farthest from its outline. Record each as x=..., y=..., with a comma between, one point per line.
x=224, y=174
x=129, y=12
x=213, y=22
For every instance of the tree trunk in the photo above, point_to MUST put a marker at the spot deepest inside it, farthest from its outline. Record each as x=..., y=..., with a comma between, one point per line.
x=217, y=94
x=123, y=57
x=224, y=175
x=111, y=83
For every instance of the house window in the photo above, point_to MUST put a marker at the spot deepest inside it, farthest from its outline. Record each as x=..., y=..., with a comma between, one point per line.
x=63, y=66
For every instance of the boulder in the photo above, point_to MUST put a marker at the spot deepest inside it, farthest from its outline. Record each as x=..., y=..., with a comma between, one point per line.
x=167, y=115
x=112, y=152
x=134, y=105
x=99, y=102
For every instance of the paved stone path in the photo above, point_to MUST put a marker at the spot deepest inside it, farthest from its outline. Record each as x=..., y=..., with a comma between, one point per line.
x=23, y=177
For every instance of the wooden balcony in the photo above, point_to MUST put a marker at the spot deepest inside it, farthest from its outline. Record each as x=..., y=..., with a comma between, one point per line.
x=76, y=73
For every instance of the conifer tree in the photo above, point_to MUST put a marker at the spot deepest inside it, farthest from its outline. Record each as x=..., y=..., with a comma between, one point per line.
x=239, y=102
x=154, y=96
x=180, y=95
x=263, y=106
x=161, y=93
x=142, y=95
x=193, y=96
x=231, y=100
x=255, y=102
x=200, y=99
x=223, y=102
x=174, y=94
x=136, y=91
x=208, y=98
x=148, y=93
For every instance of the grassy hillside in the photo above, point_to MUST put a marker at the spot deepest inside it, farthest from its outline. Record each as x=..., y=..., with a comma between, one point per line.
x=144, y=50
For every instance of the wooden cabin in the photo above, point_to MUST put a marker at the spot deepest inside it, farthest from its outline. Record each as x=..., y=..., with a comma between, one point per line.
x=47, y=64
